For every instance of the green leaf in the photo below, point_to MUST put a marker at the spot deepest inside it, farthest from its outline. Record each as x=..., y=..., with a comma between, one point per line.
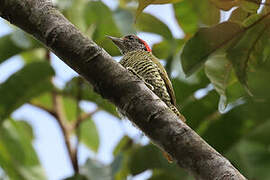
x=205, y=42
x=94, y=170
x=147, y=157
x=89, y=134
x=116, y=165
x=150, y=157
x=122, y=153
x=223, y=133
x=88, y=94
x=124, y=21
x=186, y=17
x=29, y=82
x=238, y=15
x=205, y=108
x=184, y=91
x=70, y=108
x=38, y=54
x=28, y=130
x=44, y=99
x=258, y=78
x=218, y=69
x=240, y=53
x=225, y=4
x=143, y=4
x=190, y=14
x=93, y=14
x=162, y=49
x=75, y=12
x=11, y=45
x=252, y=159
x=266, y=7
x=149, y=23
x=77, y=177
x=260, y=134
x=250, y=6
x=17, y=155
x=123, y=145
x=161, y=174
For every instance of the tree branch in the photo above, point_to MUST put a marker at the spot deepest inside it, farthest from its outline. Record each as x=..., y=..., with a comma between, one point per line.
x=112, y=81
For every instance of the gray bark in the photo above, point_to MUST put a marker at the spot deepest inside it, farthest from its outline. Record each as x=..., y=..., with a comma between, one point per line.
x=40, y=19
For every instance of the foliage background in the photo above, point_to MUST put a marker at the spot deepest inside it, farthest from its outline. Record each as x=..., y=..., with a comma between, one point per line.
x=225, y=99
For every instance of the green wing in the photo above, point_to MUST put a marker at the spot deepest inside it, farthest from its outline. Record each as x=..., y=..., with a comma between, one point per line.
x=166, y=79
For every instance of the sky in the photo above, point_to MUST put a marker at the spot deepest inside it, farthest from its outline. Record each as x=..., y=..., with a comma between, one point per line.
x=49, y=142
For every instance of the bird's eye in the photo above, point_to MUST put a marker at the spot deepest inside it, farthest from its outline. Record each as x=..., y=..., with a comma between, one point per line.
x=130, y=37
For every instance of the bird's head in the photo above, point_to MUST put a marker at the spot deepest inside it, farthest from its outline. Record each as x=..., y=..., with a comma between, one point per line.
x=130, y=43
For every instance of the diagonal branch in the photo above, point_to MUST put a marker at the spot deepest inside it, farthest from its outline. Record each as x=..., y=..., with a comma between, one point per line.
x=113, y=82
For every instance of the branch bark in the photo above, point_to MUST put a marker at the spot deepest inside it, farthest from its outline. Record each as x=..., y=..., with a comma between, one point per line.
x=113, y=82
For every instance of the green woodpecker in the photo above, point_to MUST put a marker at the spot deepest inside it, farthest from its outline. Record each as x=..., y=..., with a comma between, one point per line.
x=139, y=60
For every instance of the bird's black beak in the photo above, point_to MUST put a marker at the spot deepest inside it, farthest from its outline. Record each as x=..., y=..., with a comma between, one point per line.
x=117, y=41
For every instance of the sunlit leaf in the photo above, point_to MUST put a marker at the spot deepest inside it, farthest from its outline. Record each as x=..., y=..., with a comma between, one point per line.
x=124, y=3
x=44, y=99
x=186, y=17
x=70, y=108
x=29, y=82
x=89, y=134
x=93, y=12
x=27, y=129
x=74, y=13
x=205, y=42
x=11, y=45
x=190, y=15
x=143, y=4
x=218, y=69
x=149, y=23
x=38, y=54
x=17, y=155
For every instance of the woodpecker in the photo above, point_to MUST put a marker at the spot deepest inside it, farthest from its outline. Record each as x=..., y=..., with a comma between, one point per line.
x=139, y=60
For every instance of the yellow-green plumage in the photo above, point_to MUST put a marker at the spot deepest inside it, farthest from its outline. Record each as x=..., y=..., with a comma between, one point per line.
x=147, y=66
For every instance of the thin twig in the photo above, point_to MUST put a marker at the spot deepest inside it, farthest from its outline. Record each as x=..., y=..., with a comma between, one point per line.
x=61, y=119
x=77, y=129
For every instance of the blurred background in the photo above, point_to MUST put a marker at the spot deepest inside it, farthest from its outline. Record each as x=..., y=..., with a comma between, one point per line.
x=48, y=114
